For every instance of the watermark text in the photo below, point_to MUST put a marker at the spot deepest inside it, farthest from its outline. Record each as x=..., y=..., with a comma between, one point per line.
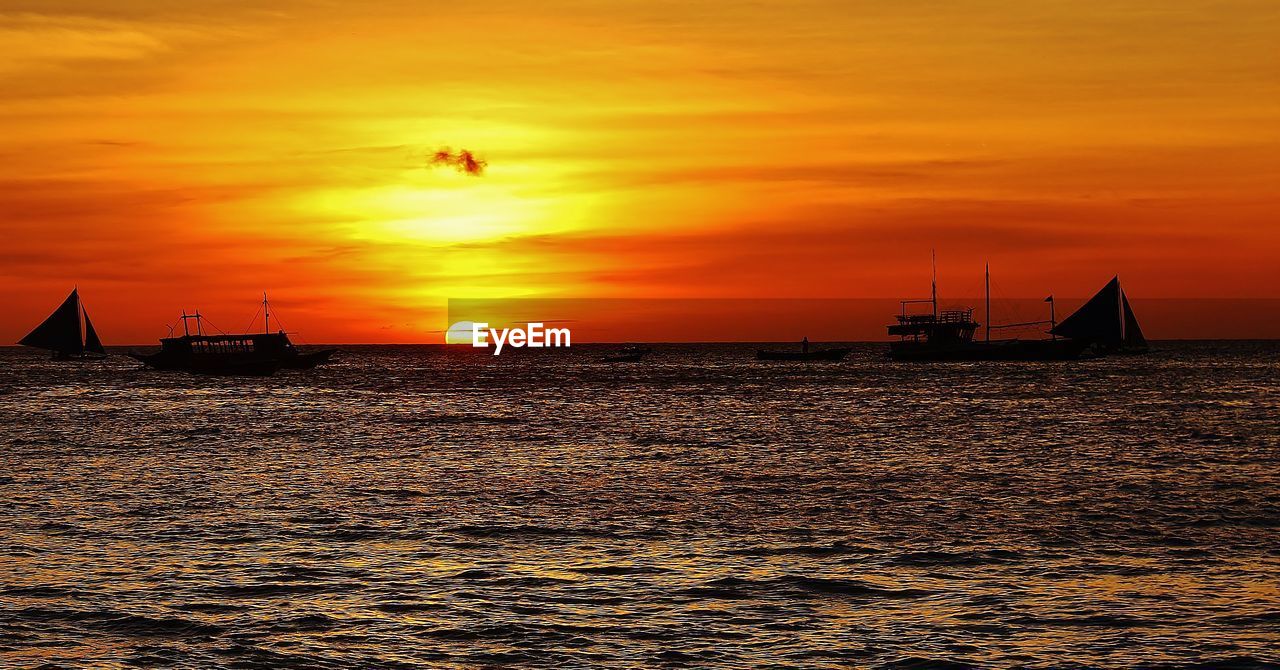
x=533, y=335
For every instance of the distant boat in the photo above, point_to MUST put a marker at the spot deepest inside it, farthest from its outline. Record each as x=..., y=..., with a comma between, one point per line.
x=948, y=335
x=62, y=333
x=836, y=354
x=631, y=354
x=1106, y=323
x=249, y=354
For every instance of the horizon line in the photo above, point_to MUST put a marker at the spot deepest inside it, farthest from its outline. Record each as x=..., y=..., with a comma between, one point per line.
x=624, y=342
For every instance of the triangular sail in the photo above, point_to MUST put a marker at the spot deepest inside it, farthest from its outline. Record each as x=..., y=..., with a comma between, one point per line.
x=1132, y=331
x=61, y=331
x=1099, y=320
x=91, y=341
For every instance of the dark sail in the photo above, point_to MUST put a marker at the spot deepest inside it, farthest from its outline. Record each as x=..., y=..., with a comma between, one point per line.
x=91, y=341
x=1100, y=320
x=61, y=331
x=1133, y=338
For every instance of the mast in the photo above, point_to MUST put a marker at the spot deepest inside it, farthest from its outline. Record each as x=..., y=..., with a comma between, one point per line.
x=1132, y=331
x=92, y=342
x=1120, y=307
x=187, y=331
x=988, y=290
x=934, y=285
x=79, y=311
x=266, y=314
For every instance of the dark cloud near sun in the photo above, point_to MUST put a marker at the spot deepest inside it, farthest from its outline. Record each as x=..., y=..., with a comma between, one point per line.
x=463, y=161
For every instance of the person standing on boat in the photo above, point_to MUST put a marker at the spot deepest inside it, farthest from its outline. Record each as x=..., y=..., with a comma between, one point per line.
x=804, y=344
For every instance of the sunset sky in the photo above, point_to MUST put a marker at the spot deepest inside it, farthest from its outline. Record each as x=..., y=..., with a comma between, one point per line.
x=168, y=155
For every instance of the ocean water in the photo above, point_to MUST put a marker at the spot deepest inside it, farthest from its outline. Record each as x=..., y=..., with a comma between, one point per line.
x=417, y=507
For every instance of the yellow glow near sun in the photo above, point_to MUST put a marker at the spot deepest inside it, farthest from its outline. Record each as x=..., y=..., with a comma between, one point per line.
x=423, y=214
x=440, y=206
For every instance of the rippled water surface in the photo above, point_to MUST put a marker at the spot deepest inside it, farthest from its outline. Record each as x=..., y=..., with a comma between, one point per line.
x=417, y=507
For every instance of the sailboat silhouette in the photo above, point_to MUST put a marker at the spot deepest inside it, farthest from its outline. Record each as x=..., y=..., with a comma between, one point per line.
x=1106, y=322
x=62, y=333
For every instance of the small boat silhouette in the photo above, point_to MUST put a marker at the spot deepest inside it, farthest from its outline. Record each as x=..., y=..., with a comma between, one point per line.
x=631, y=354
x=61, y=333
x=1106, y=323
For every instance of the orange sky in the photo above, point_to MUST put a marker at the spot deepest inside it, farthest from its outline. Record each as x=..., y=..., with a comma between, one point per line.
x=170, y=155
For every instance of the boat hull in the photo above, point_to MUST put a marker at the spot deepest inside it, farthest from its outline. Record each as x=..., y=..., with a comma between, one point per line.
x=307, y=360
x=821, y=355
x=1007, y=350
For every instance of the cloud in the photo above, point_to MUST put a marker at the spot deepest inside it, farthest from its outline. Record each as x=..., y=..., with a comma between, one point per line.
x=464, y=161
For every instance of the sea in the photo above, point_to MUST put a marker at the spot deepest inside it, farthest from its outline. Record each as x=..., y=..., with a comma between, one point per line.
x=440, y=507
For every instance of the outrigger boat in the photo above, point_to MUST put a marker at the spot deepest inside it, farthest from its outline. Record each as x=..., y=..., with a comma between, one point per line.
x=251, y=354
x=1105, y=324
x=835, y=354
x=61, y=333
x=630, y=354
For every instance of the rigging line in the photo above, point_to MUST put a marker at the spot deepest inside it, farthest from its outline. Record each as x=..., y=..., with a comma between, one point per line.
x=210, y=323
x=1006, y=307
x=275, y=315
x=252, y=321
x=1015, y=310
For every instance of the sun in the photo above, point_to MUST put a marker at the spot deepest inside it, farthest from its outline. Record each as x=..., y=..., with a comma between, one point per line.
x=460, y=333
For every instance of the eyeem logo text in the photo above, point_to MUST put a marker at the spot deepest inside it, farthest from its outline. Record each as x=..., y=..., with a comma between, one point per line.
x=533, y=335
